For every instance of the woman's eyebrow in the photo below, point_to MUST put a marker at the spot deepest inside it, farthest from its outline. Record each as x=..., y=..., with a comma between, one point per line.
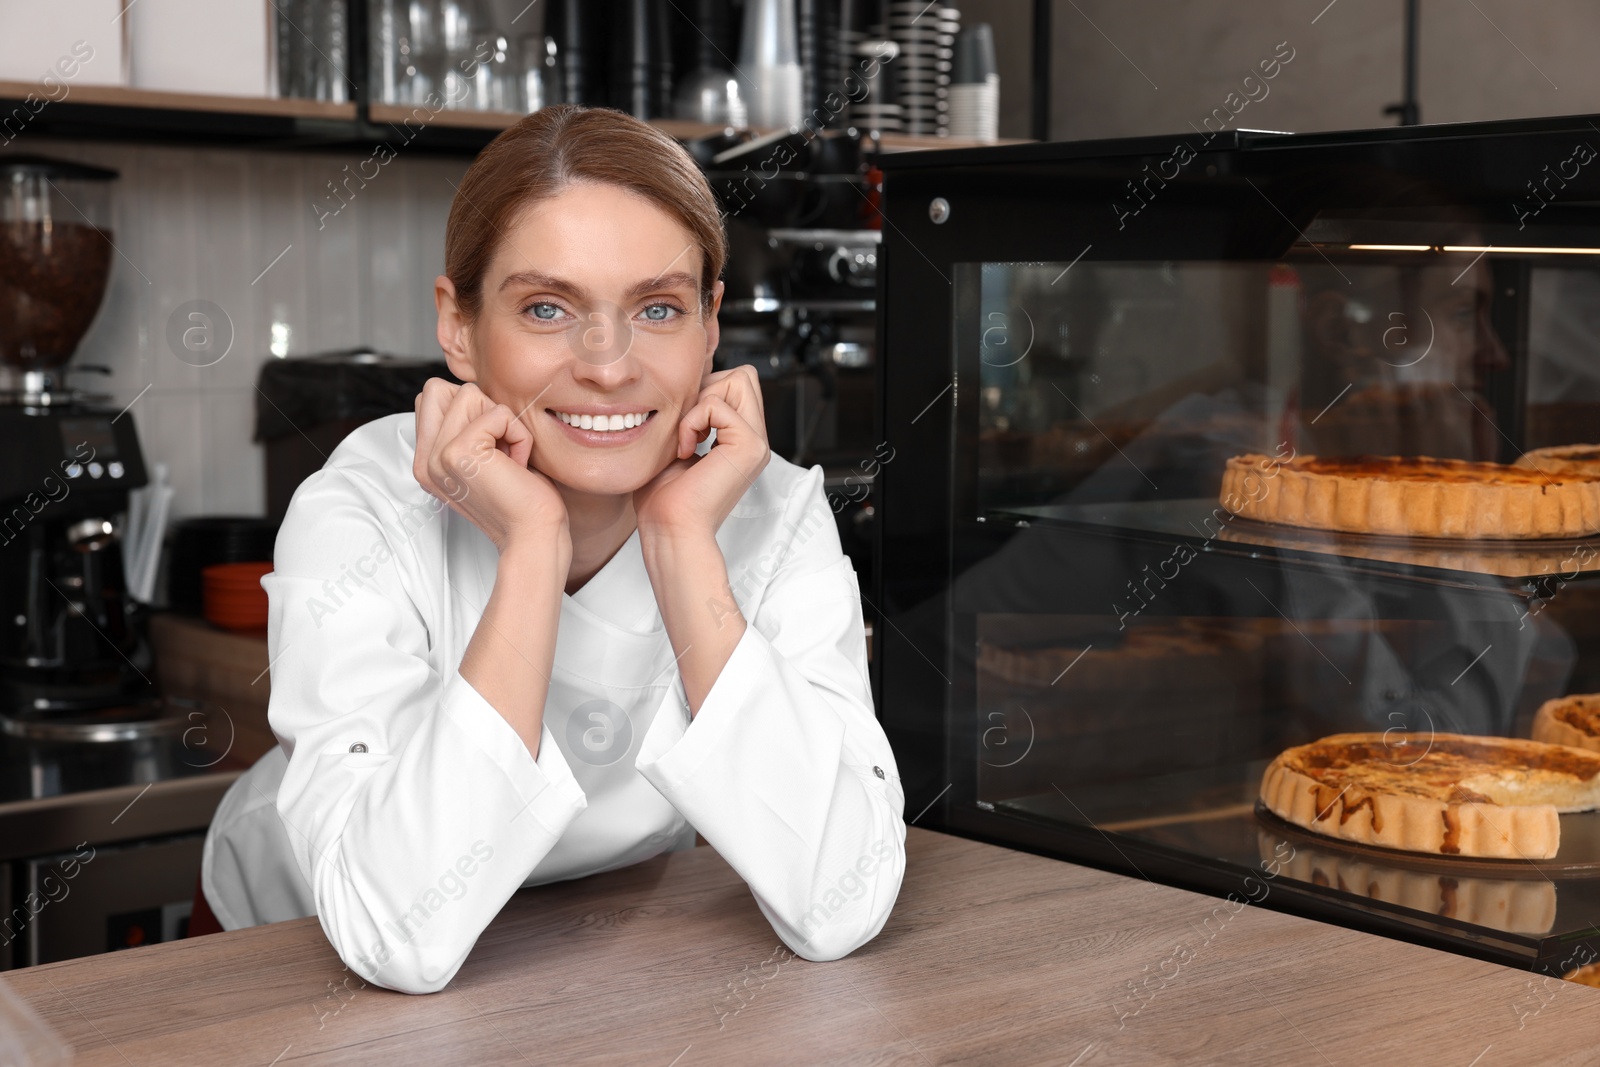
x=539, y=280
x=678, y=279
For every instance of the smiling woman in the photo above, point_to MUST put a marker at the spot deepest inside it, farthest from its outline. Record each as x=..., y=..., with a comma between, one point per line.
x=584, y=653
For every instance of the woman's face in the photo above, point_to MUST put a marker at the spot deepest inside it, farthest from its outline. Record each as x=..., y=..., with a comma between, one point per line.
x=590, y=314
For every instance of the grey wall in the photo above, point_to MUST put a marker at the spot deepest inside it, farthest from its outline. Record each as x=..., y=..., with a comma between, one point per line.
x=1013, y=52
x=1479, y=59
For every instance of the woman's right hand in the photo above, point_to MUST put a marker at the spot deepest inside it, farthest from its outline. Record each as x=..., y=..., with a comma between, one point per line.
x=473, y=453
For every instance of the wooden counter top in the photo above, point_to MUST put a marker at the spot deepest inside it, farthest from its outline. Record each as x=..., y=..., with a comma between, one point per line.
x=991, y=956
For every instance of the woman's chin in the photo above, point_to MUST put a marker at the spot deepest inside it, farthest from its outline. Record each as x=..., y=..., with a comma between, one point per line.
x=615, y=481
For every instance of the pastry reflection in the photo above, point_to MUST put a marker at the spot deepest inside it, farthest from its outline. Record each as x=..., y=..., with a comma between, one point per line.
x=1515, y=905
x=1070, y=699
x=1397, y=358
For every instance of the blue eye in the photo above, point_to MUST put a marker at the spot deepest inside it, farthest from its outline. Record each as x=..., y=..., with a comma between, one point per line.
x=660, y=312
x=545, y=310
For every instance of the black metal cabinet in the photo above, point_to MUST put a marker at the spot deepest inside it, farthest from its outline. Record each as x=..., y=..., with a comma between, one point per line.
x=1081, y=652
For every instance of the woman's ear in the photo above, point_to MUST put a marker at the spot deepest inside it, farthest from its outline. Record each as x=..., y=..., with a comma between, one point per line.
x=454, y=330
x=713, y=330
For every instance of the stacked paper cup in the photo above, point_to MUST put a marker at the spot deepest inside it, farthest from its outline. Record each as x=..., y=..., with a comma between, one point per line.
x=975, y=86
x=769, y=64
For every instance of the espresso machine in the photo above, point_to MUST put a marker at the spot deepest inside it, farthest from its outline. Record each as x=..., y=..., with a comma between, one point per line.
x=73, y=645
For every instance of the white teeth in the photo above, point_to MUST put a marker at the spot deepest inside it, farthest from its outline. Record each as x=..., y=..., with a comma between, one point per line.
x=604, y=423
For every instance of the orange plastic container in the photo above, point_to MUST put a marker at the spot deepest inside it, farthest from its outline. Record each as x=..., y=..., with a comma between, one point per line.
x=232, y=595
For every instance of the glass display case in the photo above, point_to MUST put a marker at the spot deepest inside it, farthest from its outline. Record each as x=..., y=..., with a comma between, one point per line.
x=1082, y=651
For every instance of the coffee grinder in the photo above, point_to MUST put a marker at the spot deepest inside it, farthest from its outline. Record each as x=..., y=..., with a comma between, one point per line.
x=73, y=645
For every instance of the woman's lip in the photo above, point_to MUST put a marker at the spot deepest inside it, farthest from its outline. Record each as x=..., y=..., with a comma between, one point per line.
x=602, y=437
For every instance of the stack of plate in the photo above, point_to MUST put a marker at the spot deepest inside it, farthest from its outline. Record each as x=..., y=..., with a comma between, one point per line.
x=879, y=106
x=819, y=52
x=925, y=34
x=860, y=47
x=199, y=542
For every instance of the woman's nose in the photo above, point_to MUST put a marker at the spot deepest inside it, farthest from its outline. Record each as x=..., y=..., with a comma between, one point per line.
x=603, y=346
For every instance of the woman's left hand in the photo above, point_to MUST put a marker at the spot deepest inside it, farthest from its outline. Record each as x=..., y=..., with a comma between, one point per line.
x=694, y=494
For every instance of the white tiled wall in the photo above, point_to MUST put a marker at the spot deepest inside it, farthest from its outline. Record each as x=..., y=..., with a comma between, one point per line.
x=192, y=224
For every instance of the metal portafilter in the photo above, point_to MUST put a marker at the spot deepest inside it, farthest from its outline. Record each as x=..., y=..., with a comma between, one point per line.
x=91, y=535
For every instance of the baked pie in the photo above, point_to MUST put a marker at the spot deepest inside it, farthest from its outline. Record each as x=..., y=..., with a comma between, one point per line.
x=1571, y=720
x=1413, y=497
x=1562, y=459
x=1448, y=794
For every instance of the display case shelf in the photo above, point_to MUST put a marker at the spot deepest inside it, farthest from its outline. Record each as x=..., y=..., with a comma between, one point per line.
x=1513, y=911
x=1202, y=525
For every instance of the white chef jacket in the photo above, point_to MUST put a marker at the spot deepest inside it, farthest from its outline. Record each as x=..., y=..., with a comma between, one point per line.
x=403, y=810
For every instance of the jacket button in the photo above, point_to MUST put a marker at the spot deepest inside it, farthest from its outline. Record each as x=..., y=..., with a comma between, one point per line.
x=361, y=747
x=878, y=771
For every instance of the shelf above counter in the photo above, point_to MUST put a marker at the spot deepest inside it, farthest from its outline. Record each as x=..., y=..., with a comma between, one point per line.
x=126, y=97
x=120, y=113
x=768, y=305
x=125, y=114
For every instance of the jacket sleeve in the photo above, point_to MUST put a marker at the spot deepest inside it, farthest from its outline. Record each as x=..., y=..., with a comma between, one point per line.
x=413, y=809
x=785, y=769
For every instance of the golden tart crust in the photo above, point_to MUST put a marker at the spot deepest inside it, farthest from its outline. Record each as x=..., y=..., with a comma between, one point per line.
x=1413, y=496
x=1562, y=459
x=1448, y=794
x=1586, y=975
x=1570, y=720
